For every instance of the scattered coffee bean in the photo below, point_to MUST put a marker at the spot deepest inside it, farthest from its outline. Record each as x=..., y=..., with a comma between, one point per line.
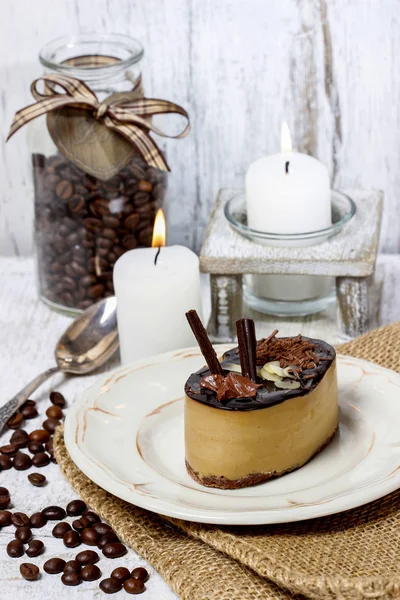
x=107, y=539
x=110, y=585
x=38, y=520
x=35, y=547
x=20, y=437
x=35, y=447
x=54, y=566
x=57, y=399
x=101, y=528
x=15, y=422
x=5, y=462
x=39, y=435
x=15, y=548
x=134, y=586
x=91, y=517
x=121, y=573
x=22, y=461
x=19, y=519
x=5, y=518
x=54, y=412
x=90, y=573
x=50, y=425
x=140, y=573
x=89, y=537
x=4, y=498
x=71, y=539
x=71, y=578
x=78, y=525
x=87, y=557
x=41, y=459
x=24, y=534
x=54, y=513
x=85, y=522
x=114, y=550
x=76, y=507
x=72, y=565
x=29, y=571
x=61, y=529
x=49, y=446
x=9, y=449
x=37, y=479
x=29, y=412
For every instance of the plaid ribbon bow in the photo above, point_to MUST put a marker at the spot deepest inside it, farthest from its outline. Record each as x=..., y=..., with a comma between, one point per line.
x=126, y=117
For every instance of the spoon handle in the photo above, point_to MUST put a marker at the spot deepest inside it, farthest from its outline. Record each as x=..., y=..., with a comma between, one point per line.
x=13, y=405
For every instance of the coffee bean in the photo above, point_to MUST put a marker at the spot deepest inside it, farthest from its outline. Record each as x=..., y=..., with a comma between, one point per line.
x=5, y=462
x=87, y=557
x=54, y=412
x=132, y=221
x=22, y=461
x=20, y=437
x=5, y=498
x=90, y=573
x=5, y=518
x=23, y=533
x=110, y=585
x=50, y=425
x=78, y=525
x=145, y=186
x=71, y=578
x=49, y=446
x=15, y=548
x=114, y=550
x=41, y=459
x=92, y=224
x=72, y=565
x=35, y=447
x=37, y=479
x=95, y=291
x=134, y=586
x=54, y=513
x=111, y=222
x=29, y=412
x=72, y=539
x=129, y=242
x=35, y=548
x=76, y=203
x=121, y=573
x=54, y=565
x=64, y=189
x=140, y=573
x=15, y=422
x=57, y=399
x=38, y=520
x=19, y=519
x=91, y=517
x=39, y=435
x=61, y=529
x=9, y=449
x=29, y=571
x=89, y=537
x=76, y=507
x=101, y=528
x=108, y=538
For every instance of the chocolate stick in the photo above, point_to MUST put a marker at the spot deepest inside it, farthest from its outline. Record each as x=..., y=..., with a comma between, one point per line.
x=247, y=348
x=205, y=345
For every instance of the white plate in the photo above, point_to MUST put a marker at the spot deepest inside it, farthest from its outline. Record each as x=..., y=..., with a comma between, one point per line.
x=125, y=432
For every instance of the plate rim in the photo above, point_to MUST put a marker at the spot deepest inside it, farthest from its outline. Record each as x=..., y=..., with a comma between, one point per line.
x=351, y=500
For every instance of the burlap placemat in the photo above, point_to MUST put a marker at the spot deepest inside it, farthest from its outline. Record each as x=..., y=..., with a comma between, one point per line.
x=350, y=556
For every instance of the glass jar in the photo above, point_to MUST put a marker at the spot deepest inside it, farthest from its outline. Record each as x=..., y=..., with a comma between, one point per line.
x=84, y=224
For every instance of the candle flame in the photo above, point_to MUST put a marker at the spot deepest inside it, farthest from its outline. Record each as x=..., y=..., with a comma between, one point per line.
x=286, y=140
x=159, y=230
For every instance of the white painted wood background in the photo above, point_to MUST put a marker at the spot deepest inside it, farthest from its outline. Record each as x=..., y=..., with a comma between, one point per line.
x=330, y=67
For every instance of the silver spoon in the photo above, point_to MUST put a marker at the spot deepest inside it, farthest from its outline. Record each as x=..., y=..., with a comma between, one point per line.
x=86, y=345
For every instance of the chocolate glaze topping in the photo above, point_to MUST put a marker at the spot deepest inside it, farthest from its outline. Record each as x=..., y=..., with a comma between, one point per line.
x=268, y=394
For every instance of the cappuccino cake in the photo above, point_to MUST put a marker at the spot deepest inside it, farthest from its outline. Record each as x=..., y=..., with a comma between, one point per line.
x=266, y=410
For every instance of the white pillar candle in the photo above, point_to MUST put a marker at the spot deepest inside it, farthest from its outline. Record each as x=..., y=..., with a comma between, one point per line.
x=288, y=193
x=152, y=299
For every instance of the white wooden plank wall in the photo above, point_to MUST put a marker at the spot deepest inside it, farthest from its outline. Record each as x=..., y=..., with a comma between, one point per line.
x=330, y=67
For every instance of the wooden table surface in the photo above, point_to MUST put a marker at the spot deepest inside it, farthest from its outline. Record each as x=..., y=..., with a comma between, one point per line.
x=29, y=332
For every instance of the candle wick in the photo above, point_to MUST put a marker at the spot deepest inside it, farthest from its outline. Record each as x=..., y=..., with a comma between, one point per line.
x=157, y=255
x=287, y=167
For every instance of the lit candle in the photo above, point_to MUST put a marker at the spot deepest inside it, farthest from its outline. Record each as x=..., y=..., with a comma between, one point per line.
x=155, y=287
x=288, y=193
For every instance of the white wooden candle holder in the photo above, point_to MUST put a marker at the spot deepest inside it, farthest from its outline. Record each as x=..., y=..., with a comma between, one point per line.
x=348, y=256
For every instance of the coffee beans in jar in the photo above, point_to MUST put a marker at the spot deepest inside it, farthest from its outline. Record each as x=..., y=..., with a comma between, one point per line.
x=83, y=225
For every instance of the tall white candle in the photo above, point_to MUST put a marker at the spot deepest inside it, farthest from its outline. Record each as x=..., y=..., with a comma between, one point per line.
x=288, y=193
x=153, y=295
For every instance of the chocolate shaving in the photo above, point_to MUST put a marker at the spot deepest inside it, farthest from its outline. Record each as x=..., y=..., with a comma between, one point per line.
x=288, y=351
x=246, y=334
x=231, y=386
x=203, y=340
